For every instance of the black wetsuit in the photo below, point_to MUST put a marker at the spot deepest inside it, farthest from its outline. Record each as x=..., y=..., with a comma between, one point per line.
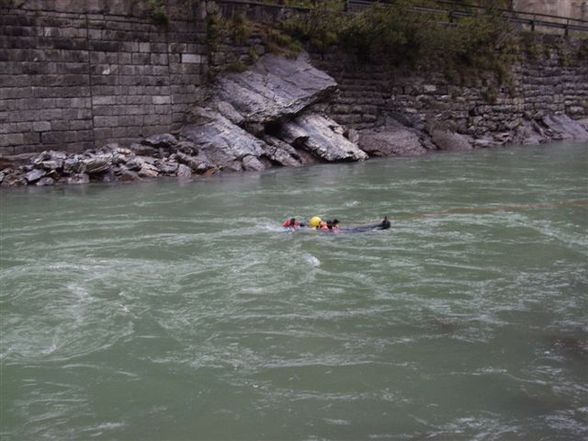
x=384, y=225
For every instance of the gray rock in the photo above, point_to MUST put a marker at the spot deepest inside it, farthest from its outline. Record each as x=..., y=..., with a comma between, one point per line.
x=45, y=182
x=184, y=171
x=188, y=160
x=14, y=179
x=187, y=147
x=142, y=150
x=43, y=156
x=135, y=163
x=228, y=111
x=121, y=155
x=52, y=164
x=320, y=136
x=220, y=140
x=503, y=138
x=148, y=171
x=251, y=163
x=530, y=133
x=126, y=175
x=109, y=176
x=281, y=153
x=162, y=140
x=450, y=141
x=34, y=175
x=167, y=167
x=564, y=127
x=79, y=178
x=392, y=139
x=484, y=143
x=97, y=164
x=352, y=135
x=274, y=88
x=72, y=165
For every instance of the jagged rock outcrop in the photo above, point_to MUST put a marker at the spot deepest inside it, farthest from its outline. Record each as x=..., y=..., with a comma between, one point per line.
x=322, y=137
x=549, y=128
x=223, y=142
x=274, y=88
x=266, y=116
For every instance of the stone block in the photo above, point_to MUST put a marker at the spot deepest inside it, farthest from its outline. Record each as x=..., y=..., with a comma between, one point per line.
x=105, y=121
x=125, y=58
x=159, y=100
x=31, y=138
x=159, y=59
x=192, y=58
x=41, y=126
x=50, y=114
x=103, y=100
x=141, y=58
x=130, y=120
x=11, y=139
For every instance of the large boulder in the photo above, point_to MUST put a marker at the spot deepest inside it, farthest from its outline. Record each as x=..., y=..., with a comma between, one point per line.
x=551, y=127
x=223, y=142
x=97, y=164
x=391, y=139
x=451, y=141
x=164, y=140
x=275, y=87
x=529, y=133
x=563, y=127
x=264, y=117
x=282, y=153
x=34, y=175
x=321, y=136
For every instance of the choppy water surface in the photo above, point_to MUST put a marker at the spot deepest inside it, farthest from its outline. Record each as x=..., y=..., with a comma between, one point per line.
x=168, y=311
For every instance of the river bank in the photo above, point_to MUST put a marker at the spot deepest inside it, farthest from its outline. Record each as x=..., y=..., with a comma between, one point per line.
x=278, y=113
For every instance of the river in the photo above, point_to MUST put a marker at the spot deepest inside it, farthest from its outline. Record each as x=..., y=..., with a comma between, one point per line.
x=181, y=311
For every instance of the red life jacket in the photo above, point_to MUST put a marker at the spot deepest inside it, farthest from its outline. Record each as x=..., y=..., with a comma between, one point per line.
x=288, y=224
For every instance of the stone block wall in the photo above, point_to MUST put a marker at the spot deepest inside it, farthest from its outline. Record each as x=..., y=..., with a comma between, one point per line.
x=538, y=88
x=76, y=76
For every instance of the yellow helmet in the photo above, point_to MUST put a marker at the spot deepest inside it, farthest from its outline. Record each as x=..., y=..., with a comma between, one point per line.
x=315, y=222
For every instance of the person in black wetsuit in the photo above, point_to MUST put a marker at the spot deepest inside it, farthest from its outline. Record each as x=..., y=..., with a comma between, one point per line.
x=385, y=223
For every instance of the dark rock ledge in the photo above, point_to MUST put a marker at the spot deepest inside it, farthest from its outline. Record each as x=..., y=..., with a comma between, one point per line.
x=271, y=115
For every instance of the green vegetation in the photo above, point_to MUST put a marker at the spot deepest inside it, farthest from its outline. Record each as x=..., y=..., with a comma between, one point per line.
x=398, y=34
x=239, y=29
x=158, y=11
x=413, y=34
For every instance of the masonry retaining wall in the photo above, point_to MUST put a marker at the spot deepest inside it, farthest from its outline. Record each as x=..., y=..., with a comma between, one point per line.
x=554, y=83
x=75, y=76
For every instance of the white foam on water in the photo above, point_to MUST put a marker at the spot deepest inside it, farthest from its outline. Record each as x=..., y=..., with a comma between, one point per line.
x=313, y=261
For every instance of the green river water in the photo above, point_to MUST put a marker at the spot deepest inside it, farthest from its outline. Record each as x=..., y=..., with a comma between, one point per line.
x=182, y=311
